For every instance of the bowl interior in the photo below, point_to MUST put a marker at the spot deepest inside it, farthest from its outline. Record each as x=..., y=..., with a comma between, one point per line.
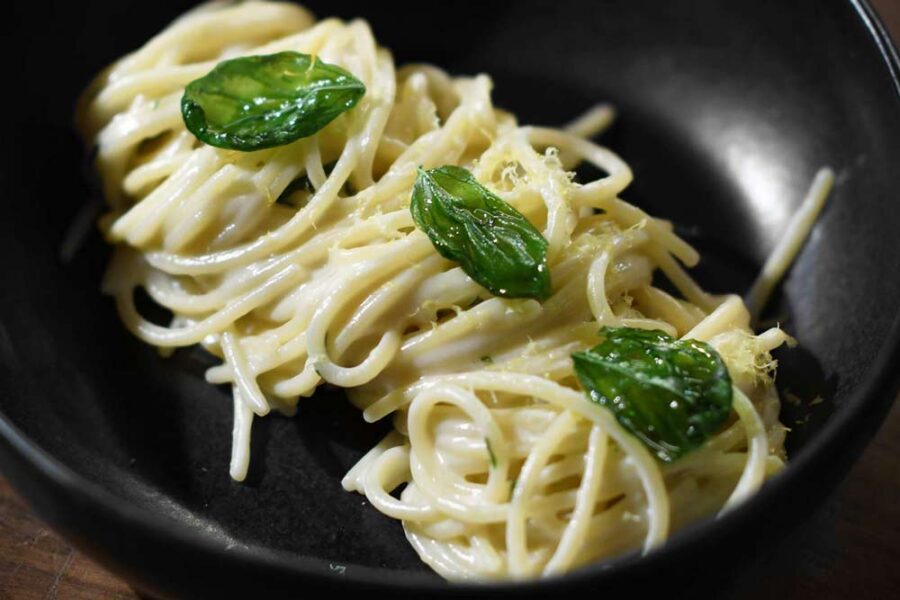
x=726, y=110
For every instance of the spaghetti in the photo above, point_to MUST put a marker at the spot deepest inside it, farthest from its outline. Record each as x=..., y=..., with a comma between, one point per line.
x=498, y=465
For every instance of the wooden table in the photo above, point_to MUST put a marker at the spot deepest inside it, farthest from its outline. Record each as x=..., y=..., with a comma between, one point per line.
x=848, y=550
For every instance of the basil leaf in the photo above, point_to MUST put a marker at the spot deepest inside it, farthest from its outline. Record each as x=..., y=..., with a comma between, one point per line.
x=257, y=102
x=492, y=241
x=672, y=394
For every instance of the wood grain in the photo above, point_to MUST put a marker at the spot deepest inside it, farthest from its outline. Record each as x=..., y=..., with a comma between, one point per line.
x=35, y=564
x=847, y=550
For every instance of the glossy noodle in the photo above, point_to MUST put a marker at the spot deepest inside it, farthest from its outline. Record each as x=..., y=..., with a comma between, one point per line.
x=498, y=466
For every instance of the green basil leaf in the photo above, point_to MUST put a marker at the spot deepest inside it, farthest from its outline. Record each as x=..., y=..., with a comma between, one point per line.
x=257, y=102
x=492, y=241
x=672, y=394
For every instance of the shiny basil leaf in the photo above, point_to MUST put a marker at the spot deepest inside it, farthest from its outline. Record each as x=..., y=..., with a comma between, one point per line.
x=672, y=394
x=257, y=102
x=492, y=241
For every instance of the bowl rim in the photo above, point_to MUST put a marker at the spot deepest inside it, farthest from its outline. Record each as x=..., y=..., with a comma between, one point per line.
x=877, y=392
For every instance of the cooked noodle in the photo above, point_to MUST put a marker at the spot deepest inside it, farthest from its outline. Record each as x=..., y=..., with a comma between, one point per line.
x=506, y=469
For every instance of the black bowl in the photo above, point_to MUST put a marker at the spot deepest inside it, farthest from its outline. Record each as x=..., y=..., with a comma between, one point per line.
x=726, y=111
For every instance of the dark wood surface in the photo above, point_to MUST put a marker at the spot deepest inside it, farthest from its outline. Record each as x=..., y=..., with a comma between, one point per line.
x=847, y=550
